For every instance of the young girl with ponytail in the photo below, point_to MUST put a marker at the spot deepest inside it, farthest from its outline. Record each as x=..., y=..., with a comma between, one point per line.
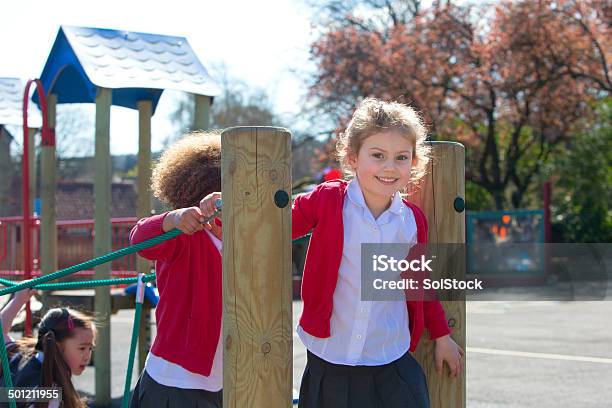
x=61, y=349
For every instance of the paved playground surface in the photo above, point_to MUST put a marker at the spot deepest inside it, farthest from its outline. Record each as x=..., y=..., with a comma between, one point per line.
x=520, y=354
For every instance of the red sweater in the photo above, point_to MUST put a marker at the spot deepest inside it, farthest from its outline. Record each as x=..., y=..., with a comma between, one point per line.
x=321, y=212
x=190, y=296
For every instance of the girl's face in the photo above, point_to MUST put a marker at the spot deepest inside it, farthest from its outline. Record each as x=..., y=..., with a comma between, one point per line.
x=77, y=349
x=383, y=166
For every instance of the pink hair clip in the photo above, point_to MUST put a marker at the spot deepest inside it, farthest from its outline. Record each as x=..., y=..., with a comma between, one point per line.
x=70, y=323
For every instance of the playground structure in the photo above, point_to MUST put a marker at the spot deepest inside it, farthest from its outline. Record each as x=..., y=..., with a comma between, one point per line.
x=109, y=67
x=509, y=247
x=256, y=179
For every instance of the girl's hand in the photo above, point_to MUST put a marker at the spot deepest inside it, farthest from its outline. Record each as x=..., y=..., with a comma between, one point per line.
x=207, y=205
x=447, y=350
x=208, y=208
x=189, y=220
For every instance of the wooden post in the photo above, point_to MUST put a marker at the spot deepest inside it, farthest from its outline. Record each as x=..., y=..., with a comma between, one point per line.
x=442, y=191
x=144, y=210
x=48, y=227
x=102, y=242
x=201, y=115
x=257, y=333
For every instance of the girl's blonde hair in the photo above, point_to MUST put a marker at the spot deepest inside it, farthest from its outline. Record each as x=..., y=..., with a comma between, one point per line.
x=188, y=170
x=376, y=116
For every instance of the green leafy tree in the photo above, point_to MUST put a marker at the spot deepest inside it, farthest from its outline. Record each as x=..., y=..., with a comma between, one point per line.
x=582, y=190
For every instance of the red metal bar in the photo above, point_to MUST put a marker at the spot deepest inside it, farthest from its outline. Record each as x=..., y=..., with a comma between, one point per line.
x=119, y=220
x=72, y=248
x=47, y=140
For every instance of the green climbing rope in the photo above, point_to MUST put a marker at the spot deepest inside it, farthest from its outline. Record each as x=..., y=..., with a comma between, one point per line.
x=93, y=262
x=137, y=313
x=83, y=284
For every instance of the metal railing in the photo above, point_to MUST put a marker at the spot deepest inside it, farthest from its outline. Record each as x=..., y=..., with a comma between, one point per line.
x=74, y=245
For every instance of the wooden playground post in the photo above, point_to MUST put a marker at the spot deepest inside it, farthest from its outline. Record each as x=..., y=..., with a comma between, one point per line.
x=48, y=227
x=201, y=114
x=102, y=243
x=442, y=199
x=257, y=303
x=144, y=210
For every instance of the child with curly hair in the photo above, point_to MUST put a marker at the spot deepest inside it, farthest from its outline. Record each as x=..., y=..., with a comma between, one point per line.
x=184, y=366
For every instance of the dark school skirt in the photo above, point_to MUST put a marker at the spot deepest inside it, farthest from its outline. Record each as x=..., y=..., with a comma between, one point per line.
x=399, y=384
x=149, y=393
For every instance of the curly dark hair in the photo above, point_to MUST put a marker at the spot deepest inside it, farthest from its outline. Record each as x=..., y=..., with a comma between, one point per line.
x=188, y=170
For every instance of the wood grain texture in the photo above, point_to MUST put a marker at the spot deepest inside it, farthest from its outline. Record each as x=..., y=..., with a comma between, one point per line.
x=102, y=242
x=201, y=114
x=257, y=308
x=48, y=227
x=444, y=182
x=143, y=209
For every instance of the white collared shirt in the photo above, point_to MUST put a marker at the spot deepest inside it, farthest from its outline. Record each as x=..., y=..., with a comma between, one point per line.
x=365, y=332
x=173, y=375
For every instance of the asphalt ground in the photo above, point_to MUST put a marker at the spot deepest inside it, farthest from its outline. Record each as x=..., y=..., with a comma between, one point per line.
x=519, y=354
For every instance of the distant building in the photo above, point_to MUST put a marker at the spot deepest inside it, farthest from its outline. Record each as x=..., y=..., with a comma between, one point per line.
x=75, y=200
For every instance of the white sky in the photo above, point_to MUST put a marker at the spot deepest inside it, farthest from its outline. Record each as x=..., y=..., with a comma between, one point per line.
x=264, y=43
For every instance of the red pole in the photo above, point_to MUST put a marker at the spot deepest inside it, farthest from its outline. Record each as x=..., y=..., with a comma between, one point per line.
x=47, y=139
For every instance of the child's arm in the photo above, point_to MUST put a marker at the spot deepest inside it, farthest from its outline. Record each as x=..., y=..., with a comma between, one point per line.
x=185, y=219
x=304, y=214
x=435, y=319
x=446, y=349
x=11, y=309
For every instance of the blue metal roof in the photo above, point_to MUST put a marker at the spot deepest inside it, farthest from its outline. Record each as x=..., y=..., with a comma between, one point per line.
x=11, y=104
x=135, y=66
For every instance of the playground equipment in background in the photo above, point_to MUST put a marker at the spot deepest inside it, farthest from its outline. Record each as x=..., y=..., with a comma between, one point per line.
x=48, y=141
x=507, y=247
x=132, y=71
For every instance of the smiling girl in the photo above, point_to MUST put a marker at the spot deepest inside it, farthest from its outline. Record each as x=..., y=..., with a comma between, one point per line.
x=359, y=352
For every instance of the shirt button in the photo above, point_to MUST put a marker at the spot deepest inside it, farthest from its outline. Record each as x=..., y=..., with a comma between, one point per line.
x=358, y=337
x=363, y=310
